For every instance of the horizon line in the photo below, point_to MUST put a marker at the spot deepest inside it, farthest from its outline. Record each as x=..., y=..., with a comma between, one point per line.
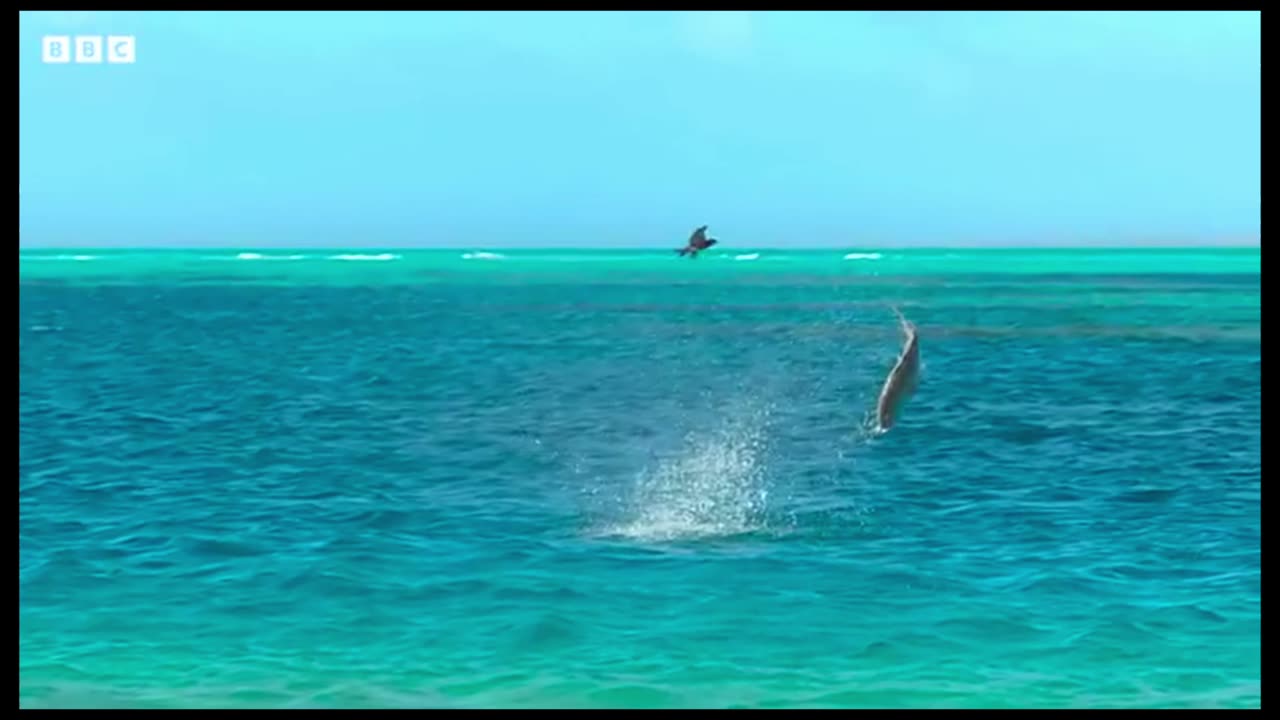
x=744, y=248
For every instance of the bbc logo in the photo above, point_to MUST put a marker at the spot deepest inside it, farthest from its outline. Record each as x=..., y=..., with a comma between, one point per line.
x=91, y=49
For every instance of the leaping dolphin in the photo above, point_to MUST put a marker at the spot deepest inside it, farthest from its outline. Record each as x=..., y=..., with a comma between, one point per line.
x=903, y=378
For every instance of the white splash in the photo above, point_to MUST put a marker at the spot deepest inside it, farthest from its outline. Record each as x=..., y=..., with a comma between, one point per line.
x=862, y=256
x=714, y=487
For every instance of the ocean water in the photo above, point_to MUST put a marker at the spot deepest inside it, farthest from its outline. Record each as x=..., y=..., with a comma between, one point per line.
x=308, y=478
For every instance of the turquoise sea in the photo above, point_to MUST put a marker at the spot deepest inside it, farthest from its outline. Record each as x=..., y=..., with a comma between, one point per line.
x=566, y=478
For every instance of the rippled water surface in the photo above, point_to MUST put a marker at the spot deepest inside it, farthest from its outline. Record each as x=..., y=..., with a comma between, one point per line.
x=388, y=479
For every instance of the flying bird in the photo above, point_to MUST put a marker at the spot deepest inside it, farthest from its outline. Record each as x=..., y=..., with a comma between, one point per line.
x=698, y=242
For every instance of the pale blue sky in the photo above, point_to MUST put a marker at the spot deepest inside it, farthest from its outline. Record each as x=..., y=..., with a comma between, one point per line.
x=627, y=129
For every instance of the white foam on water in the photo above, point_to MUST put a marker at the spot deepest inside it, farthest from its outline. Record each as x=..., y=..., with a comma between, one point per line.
x=259, y=256
x=74, y=258
x=380, y=257
x=862, y=256
x=747, y=256
x=715, y=486
x=483, y=256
